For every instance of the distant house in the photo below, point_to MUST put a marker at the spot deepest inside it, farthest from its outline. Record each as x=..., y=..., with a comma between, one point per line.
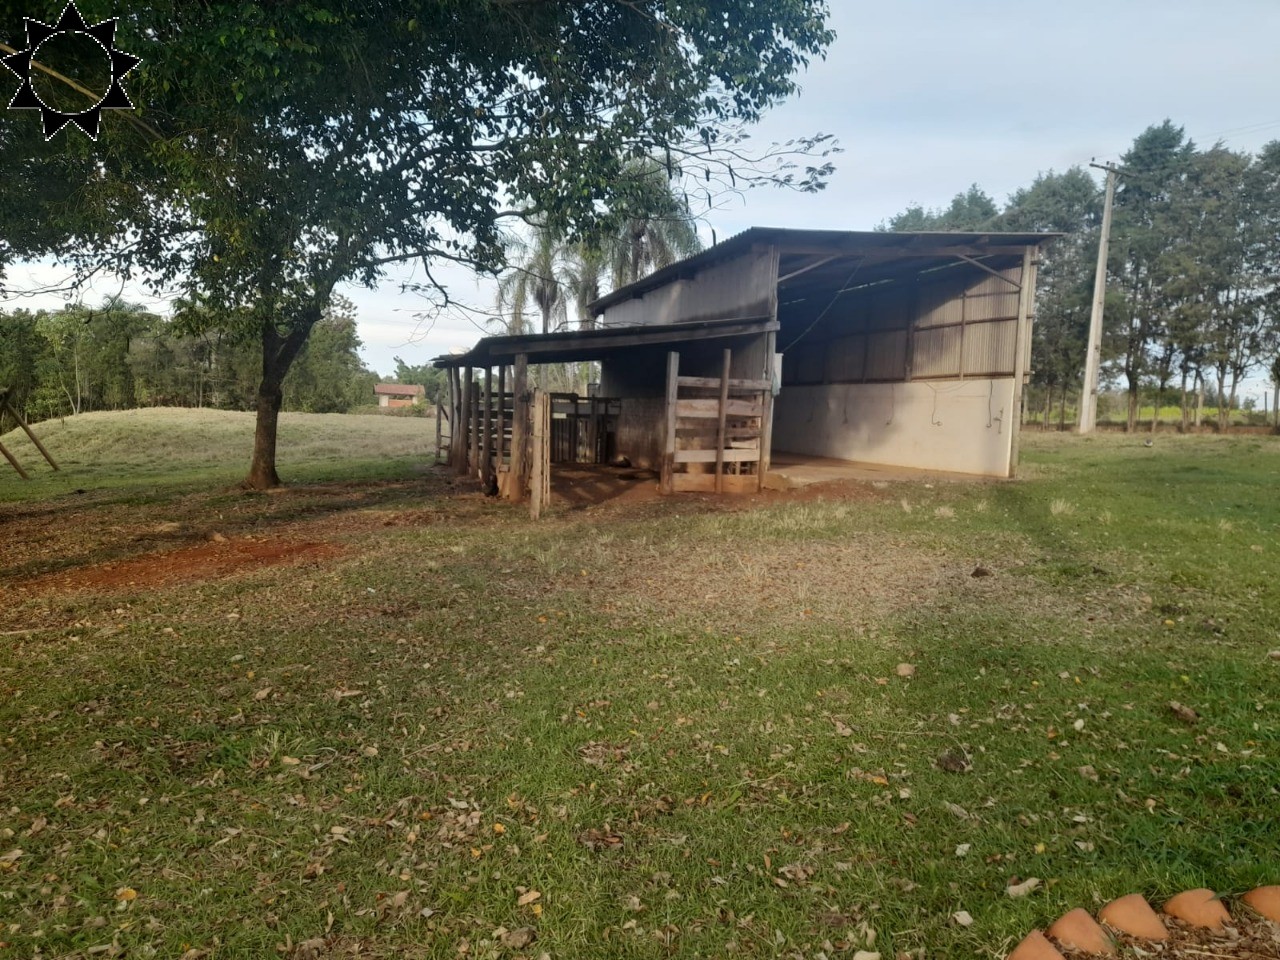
x=399, y=394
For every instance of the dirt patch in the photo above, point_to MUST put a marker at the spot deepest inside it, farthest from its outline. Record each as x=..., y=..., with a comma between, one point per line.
x=206, y=561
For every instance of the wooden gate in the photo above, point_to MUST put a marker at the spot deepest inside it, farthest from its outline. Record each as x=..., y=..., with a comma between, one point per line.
x=717, y=428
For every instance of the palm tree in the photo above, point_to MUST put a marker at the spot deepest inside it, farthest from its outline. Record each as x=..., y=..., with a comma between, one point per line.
x=654, y=228
x=650, y=228
x=533, y=281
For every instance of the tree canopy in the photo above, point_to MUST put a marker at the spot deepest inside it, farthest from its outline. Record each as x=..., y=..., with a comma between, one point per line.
x=280, y=149
x=1193, y=290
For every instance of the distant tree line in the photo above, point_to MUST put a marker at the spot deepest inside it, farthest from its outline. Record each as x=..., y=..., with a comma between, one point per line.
x=118, y=356
x=1193, y=286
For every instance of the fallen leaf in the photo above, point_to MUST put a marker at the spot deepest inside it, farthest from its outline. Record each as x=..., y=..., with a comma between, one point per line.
x=954, y=761
x=843, y=728
x=290, y=761
x=962, y=850
x=1183, y=712
x=956, y=810
x=262, y=694
x=905, y=669
x=1023, y=888
x=962, y=918
x=519, y=938
x=1088, y=772
x=528, y=898
x=126, y=893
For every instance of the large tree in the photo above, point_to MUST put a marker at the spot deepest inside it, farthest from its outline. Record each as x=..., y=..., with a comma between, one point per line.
x=278, y=150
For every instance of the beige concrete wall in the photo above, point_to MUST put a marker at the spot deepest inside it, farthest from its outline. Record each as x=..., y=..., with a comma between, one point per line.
x=961, y=426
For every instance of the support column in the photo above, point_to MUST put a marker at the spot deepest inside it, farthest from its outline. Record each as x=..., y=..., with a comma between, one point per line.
x=473, y=420
x=667, y=481
x=486, y=451
x=501, y=429
x=518, y=478
x=766, y=420
x=464, y=441
x=726, y=369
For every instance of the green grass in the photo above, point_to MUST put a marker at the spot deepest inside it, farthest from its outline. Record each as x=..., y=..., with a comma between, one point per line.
x=712, y=684
x=163, y=447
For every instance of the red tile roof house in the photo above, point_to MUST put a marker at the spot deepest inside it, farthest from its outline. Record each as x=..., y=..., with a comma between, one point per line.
x=399, y=394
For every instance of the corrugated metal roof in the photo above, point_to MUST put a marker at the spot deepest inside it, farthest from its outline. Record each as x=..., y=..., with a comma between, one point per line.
x=833, y=242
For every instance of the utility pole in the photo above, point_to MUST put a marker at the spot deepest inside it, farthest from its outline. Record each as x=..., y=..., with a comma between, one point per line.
x=1093, y=355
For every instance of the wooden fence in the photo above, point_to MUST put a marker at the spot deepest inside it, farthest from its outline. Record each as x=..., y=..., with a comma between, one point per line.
x=717, y=436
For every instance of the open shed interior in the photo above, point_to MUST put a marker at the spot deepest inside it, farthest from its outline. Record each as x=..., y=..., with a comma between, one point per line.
x=902, y=350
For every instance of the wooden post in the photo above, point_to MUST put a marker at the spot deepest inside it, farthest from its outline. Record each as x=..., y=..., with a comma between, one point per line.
x=486, y=453
x=667, y=481
x=473, y=423
x=724, y=411
x=464, y=441
x=540, y=481
x=4, y=401
x=501, y=428
x=519, y=476
x=17, y=466
x=438, y=434
x=766, y=418
x=455, y=415
x=1026, y=303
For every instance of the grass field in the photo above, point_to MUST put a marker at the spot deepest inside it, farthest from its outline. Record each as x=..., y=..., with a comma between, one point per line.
x=169, y=447
x=669, y=729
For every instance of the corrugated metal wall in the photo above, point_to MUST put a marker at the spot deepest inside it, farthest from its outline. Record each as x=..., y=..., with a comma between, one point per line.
x=965, y=325
x=735, y=289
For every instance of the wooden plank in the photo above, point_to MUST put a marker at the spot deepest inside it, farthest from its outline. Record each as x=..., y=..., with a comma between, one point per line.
x=519, y=428
x=706, y=429
x=713, y=383
x=715, y=456
x=706, y=483
x=464, y=442
x=673, y=404
x=13, y=411
x=14, y=463
x=726, y=368
x=710, y=409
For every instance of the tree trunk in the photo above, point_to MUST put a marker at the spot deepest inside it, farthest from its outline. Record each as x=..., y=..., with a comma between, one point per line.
x=1155, y=412
x=1199, y=399
x=1131, y=423
x=262, y=470
x=1275, y=405
x=1062, y=410
x=278, y=353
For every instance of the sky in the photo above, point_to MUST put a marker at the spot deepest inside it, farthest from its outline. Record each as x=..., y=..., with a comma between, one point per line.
x=929, y=96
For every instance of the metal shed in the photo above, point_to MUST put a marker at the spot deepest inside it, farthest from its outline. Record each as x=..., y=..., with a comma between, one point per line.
x=900, y=349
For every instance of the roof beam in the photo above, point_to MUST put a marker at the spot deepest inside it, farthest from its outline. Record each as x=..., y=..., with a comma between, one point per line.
x=994, y=273
x=821, y=261
x=900, y=251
